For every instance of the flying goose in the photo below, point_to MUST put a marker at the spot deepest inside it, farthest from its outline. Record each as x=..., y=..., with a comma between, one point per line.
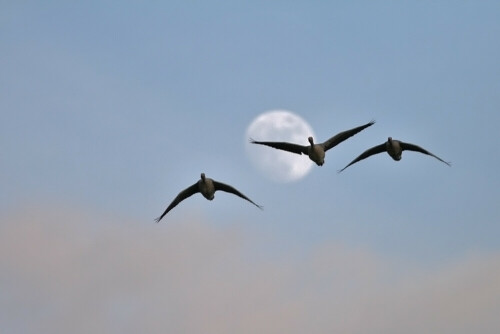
x=394, y=148
x=207, y=187
x=316, y=152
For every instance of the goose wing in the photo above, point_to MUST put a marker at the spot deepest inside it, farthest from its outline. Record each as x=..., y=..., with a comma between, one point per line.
x=229, y=189
x=371, y=151
x=412, y=147
x=294, y=148
x=340, y=137
x=179, y=198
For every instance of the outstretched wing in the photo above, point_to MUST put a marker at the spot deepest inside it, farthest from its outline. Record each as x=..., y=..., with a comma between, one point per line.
x=180, y=197
x=411, y=147
x=294, y=148
x=227, y=188
x=340, y=137
x=371, y=151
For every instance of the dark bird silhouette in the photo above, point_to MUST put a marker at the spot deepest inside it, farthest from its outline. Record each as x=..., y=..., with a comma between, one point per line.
x=395, y=149
x=207, y=187
x=316, y=152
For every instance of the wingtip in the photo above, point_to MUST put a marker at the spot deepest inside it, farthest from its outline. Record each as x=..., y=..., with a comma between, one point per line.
x=157, y=220
x=341, y=170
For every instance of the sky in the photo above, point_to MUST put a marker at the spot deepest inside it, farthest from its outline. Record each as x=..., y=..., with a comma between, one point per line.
x=109, y=109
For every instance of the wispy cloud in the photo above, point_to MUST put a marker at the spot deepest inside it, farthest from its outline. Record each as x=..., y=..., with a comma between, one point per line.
x=64, y=271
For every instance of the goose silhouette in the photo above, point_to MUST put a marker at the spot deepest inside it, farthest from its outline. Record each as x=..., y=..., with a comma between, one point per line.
x=207, y=187
x=395, y=149
x=316, y=152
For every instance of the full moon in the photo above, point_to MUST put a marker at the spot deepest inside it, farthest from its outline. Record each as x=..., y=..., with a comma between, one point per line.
x=279, y=125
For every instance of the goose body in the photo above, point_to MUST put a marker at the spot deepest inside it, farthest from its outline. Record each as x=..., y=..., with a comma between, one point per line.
x=395, y=150
x=207, y=187
x=316, y=152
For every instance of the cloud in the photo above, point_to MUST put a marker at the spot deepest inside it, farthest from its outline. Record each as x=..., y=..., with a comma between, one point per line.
x=66, y=271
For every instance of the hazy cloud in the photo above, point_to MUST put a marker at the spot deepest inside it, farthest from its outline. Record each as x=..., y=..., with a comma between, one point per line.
x=70, y=272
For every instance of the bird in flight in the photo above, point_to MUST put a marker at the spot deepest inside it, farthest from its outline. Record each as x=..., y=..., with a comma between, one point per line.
x=395, y=149
x=207, y=187
x=316, y=152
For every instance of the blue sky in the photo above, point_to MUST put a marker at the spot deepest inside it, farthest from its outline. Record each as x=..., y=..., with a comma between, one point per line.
x=109, y=109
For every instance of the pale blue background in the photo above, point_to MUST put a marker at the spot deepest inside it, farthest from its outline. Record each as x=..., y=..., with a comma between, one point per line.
x=115, y=107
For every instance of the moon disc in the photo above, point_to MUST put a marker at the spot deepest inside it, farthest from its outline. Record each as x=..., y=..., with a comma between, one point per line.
x=279, y=125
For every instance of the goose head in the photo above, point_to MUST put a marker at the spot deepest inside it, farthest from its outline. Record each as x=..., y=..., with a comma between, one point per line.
x=389, y=140
x=311, y=141
x=203, y=177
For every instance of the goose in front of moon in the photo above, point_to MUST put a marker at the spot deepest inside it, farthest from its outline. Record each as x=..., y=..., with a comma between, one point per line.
x=316, y=152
